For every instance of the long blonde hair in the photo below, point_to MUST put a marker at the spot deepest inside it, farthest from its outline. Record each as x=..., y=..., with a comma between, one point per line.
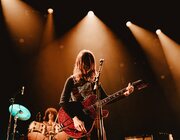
x=85, y=62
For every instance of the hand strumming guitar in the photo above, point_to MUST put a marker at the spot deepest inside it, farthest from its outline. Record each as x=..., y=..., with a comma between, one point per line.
x=79, y=125
x=129, y=89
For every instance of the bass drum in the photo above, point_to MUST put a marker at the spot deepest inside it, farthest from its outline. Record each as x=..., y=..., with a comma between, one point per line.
x=36, y=131
x=61, y=136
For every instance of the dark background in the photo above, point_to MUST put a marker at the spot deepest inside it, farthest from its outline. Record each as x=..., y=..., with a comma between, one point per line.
x=150, y=113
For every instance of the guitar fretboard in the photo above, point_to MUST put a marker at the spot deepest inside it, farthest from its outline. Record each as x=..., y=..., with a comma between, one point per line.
x=137, y=85
x=112, y=97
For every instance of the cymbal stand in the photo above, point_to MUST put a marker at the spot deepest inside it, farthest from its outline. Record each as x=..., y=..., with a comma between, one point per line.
x=100, y=127
x=15, y=125
x=12, y=100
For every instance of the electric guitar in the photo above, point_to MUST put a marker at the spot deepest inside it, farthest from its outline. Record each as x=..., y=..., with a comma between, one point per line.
x=90, y=113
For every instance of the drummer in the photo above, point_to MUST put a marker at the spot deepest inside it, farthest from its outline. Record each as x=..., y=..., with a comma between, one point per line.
x=49, y=119
x=50, y=116
x=53, y=129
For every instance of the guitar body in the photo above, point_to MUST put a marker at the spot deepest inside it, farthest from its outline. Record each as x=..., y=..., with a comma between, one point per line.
x=89, y=117
x=68, y=126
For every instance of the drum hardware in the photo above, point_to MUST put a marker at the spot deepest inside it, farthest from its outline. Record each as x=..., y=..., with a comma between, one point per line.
x=12, y=100
x=37, y=127
x=40, y=130
x=18, y=111
x=15, y=125
x=38, y=117
x=36, y=131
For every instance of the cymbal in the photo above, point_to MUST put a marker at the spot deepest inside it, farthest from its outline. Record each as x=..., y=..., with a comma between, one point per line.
x=19, y=111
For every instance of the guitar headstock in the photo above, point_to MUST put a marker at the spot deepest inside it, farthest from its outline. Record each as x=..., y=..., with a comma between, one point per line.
x=140, y=84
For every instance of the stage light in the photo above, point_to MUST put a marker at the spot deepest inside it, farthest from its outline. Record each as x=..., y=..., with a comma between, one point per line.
x=158, y=31
x=90, y=13
x=50, y=10
x=128, y=24
x=21, y=40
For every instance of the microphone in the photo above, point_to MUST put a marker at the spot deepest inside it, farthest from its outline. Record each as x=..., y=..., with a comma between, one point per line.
x=101, y=60
x=98, y=75
x=22, y=90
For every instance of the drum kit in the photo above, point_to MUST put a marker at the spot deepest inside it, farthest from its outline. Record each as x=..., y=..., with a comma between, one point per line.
x=37, y=130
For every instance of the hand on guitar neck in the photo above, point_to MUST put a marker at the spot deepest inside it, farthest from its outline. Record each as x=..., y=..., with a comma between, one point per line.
x=129, y=89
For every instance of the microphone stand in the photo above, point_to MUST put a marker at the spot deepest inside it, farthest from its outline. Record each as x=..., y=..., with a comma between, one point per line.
x=100, y=128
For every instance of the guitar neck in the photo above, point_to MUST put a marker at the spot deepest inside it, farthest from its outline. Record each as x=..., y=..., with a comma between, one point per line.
x=137, y=85
x=112, y=97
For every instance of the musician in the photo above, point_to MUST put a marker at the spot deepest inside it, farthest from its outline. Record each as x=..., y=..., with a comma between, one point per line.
x=50, y=116
x=78, y=87
x=53, y=130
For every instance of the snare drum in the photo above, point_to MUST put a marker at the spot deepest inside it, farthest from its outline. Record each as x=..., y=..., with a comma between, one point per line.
x=36, y=131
